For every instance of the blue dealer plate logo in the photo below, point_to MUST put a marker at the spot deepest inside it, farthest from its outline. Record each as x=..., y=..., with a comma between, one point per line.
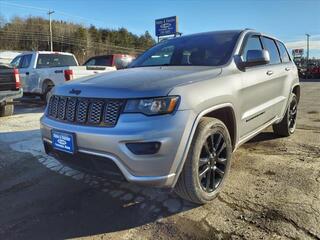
x=62, y=141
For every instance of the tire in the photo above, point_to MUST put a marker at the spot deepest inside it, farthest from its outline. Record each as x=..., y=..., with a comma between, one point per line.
x=46, y=89
x=7, y=109
x=193, y=186
x=287, y=125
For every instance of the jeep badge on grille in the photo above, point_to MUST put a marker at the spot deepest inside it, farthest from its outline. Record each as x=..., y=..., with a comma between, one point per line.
x=75, y=91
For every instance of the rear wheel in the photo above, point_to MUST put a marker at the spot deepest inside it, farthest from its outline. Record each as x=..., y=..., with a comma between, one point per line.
x=287, y=125
x=207, y=164
x=7, y=109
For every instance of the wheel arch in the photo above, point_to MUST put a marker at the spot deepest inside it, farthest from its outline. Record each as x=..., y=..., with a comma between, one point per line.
x=296, y=91
x=224, y=111
x=227, y=116
x=46, y=82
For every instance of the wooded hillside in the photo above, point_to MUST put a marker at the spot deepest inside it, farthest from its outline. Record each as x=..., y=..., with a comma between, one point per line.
x=33, y=34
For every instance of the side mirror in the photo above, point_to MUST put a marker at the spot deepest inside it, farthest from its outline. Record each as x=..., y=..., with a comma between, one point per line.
x=257, y=57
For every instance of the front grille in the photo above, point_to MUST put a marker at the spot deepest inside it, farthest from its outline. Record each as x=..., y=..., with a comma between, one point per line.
x=85, y=111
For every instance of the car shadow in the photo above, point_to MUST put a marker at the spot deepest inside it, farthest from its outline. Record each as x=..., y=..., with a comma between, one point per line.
x=264, y=136
x=29, y=105
x=41, y=198
x=310, y=80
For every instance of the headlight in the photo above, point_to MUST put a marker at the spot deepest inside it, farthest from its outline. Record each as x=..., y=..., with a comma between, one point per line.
x=152, y=106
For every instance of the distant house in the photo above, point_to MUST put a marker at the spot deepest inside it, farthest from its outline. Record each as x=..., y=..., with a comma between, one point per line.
x=7, y=56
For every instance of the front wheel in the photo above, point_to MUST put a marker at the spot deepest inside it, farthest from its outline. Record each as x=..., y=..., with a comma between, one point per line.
x=287, y=125
x=207, y=164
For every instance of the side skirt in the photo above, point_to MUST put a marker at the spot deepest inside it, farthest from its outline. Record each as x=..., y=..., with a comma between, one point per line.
x=255, y=132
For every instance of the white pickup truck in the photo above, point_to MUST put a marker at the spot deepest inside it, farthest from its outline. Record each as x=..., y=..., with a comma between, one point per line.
x=40, y=71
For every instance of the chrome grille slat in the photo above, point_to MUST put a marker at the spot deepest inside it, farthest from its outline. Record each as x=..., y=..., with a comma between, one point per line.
x=62, y=108
x=85, y=111
x=95, y=112
x=53, y=109
x=82, y=111
x=112, y=112
x=71, y=109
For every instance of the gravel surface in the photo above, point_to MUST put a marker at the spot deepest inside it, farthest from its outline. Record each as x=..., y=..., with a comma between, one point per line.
x=273, y=190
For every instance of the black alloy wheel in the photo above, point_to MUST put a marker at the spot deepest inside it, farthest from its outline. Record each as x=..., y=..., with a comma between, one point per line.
x=212, y=162
x=292, y=115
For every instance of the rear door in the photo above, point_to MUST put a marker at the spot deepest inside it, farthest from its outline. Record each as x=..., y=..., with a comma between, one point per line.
x=22, y=62
x=279, y=69
x=290, y=70
x=260, y=93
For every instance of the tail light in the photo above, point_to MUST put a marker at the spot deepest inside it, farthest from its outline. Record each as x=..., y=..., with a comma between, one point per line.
x=17, y=78
x=68, y=74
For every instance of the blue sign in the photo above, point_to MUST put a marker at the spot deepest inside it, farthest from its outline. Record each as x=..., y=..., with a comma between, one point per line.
x=62, y=141
x=166, y=26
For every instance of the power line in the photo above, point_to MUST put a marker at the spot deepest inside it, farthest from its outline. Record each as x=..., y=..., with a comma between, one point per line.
x=23, y=6
x=44, y=10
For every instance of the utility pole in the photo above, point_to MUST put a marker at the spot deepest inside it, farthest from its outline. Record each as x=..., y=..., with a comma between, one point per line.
x=308, y=36
x=50, y=27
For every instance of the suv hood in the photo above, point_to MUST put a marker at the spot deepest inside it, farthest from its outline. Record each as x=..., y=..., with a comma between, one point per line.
x=137, y=82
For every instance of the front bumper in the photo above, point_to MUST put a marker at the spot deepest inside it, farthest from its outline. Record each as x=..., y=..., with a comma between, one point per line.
x=158, y=169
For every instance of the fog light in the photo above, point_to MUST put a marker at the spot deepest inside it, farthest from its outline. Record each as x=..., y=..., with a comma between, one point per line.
x=144, y=148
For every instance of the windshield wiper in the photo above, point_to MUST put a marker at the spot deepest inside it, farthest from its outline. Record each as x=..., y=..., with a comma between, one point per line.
x=160, y=65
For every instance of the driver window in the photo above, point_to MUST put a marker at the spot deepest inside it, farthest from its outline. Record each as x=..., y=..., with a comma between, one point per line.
x=16, y=62
x=253, y=43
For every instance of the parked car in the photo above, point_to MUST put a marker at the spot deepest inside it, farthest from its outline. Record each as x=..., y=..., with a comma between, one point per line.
x=176, y=115
x=10, y=89
x=120, y=61
x=41, y=71
x=314, y=71
x=7, y=56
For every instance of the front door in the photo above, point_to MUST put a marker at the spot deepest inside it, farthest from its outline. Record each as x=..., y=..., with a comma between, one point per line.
x=261, y=87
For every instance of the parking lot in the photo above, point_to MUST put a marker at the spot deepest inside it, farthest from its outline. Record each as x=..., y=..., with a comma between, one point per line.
x=273, y=190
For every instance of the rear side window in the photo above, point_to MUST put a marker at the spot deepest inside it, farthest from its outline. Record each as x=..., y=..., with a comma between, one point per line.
x=253, y=43
x=26, y=60
x=55, y=60
x=270, y=45
x=283, y=52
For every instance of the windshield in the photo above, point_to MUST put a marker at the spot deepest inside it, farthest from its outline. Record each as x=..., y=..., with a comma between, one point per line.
x=209, y=49
x=55, y=60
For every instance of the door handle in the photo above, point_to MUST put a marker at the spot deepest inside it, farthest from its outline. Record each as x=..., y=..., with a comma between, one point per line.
x=269, y=73
x=27, y=73
x=287, y=69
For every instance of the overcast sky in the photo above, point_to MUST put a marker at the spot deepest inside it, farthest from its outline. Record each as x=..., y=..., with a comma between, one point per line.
x=288, y=20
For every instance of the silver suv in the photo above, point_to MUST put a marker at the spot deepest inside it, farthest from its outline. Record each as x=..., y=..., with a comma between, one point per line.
x=174, y=117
